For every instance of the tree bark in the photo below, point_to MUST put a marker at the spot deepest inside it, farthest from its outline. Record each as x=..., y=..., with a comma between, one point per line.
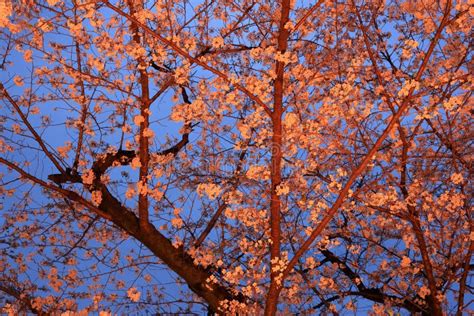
x=277, y=155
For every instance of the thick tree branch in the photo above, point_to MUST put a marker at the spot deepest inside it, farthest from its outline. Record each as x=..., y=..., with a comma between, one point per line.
x=276, y=162
x=175, y=258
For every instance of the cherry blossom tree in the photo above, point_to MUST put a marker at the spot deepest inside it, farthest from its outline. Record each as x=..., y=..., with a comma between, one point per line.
x=236, y=157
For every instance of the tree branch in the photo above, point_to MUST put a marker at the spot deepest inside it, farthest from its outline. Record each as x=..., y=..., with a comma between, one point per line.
x=186, y=55
x=175, y=258
x=357, y=171
x=31, y=129
x=21, y=297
